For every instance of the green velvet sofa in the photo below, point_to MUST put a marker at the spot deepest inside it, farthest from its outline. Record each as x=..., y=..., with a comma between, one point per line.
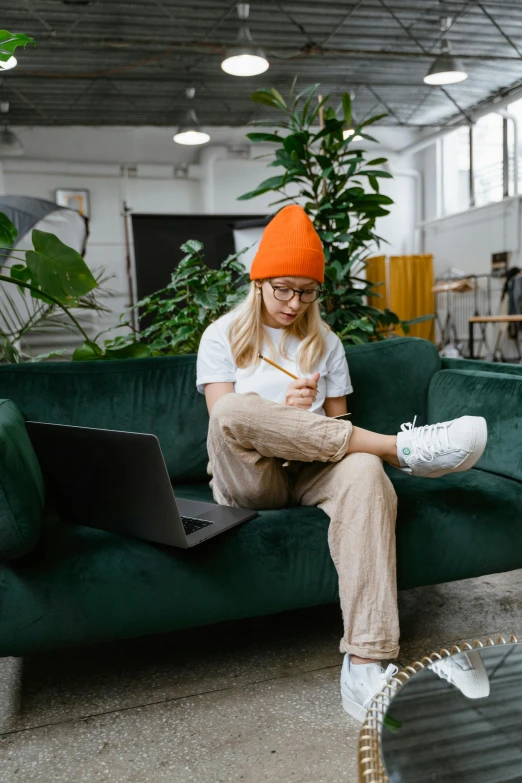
x=62, y=584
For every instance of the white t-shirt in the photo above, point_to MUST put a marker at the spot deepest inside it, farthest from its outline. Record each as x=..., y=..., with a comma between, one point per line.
x=216, y=365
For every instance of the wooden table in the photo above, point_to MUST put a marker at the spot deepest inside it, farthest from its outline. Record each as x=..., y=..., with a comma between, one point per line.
x=489, y=319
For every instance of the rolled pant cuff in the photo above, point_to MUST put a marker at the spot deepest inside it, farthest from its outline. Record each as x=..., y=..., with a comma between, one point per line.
x=377, y=652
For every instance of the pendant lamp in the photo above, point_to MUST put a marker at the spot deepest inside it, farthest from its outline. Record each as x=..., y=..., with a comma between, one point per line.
x=189, y=131
x=245, y=58
x=445, y=69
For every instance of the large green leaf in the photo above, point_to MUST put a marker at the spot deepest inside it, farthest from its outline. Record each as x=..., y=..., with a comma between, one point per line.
x=333, y=126
x=87, y=352
x=131, y=351
x=207, y=299
x=274, y=183
x=372, y=120
x=9, y=42
x=258, y=137
x=347, y=109
x=191, y=246
x=269, y=98
x=8, y=232
x=58, y=269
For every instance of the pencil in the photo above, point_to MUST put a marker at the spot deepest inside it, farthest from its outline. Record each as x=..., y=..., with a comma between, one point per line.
x=279, y=368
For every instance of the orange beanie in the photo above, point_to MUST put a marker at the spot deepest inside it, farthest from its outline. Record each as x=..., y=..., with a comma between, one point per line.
x=289, y=247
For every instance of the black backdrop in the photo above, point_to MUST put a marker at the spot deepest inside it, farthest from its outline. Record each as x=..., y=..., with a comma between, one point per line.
x=157, y=239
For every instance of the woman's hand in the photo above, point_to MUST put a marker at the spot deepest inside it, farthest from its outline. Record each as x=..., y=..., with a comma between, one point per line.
x=302, y=392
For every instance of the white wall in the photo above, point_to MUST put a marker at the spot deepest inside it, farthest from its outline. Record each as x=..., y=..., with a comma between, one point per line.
x=468, y=240
x=145, y=169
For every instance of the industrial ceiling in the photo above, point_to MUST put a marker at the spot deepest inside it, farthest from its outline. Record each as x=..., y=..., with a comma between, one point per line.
x=115, y=62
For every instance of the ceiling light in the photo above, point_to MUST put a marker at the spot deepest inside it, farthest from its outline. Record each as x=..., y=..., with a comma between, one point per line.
x=350, y=130
x=445, y=69
x=10, y=144
x=245, y=58
x=12, y=62
x=189, y=132
x=347, y=132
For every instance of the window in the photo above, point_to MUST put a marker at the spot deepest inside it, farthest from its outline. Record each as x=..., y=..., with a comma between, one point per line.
x=486, y=171
x=488, y=158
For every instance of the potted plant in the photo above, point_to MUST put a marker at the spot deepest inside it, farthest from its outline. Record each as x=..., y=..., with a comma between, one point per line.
x=339, y=189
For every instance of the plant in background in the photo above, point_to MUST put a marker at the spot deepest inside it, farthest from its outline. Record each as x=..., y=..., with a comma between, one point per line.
x=341, y=193
x=58, y=281
x=9, y=42
x=196, y=295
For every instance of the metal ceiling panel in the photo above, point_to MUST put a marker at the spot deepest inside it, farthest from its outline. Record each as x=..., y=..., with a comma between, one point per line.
x=108, y=62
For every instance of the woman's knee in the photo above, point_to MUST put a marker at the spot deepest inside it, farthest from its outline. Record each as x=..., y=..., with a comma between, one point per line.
x=367, y=469
x=230, y=409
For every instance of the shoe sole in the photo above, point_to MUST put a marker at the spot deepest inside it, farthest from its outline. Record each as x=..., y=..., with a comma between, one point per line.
x=353, y=709
x=476, y=454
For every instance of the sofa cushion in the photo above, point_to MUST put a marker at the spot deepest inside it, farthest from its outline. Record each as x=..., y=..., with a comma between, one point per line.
x=497, y=397
x=87, y=585
x=456, y=527
x=21, y=486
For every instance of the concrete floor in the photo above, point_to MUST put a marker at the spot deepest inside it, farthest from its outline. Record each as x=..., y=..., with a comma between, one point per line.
x=251, y=701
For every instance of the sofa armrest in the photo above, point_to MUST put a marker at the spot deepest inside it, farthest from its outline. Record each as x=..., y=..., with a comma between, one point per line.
x=21, y=486
x=495, y=396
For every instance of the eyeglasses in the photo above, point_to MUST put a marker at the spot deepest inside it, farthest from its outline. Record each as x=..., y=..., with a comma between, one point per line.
x=284, y=294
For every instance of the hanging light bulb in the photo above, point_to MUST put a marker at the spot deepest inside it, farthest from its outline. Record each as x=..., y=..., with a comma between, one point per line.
x=445, y=69
x=10, y=144
x=350, y=130
x=12, y=62
x=245, y=58
x=189, y=132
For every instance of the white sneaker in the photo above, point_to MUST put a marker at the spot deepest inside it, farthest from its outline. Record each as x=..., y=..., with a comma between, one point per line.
x=359, y=684
x=466, y=671
x=437, y=449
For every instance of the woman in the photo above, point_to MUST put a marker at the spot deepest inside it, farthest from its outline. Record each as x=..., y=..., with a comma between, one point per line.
x=267, y=451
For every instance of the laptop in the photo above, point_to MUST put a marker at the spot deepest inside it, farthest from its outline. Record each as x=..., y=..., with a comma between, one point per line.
x=118, y=481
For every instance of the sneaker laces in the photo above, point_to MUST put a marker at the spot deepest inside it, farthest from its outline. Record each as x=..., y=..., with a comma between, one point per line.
x=383, y=678
x=429, y=440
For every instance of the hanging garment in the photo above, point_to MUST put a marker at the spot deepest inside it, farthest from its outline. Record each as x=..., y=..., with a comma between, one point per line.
x=513, y=291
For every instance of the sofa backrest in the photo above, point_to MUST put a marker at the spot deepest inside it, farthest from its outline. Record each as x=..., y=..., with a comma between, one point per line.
x=477, y=365
x=390, y=379
x=22, y=493
x=156, y=396
x=495, y=396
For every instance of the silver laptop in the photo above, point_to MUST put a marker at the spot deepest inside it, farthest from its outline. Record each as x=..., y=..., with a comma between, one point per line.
x=118, y=481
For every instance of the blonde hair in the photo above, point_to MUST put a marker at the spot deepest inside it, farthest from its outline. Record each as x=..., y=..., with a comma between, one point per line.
x=246, y=334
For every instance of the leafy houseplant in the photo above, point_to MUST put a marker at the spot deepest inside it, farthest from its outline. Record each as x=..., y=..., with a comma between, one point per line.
x=57, y=278
x=196, y=295
x=341, y=194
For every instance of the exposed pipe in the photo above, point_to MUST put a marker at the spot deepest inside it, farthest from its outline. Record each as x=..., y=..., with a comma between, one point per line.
x=508, y=116
x=209, y=157
x=418, y=232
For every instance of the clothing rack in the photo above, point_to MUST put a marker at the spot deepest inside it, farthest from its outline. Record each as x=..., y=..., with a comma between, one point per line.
x=458, y=297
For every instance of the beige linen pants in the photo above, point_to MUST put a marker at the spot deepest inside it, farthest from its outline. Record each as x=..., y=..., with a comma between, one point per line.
x=250, y=438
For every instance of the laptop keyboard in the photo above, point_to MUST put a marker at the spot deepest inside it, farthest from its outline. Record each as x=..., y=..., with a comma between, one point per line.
x=191, y=525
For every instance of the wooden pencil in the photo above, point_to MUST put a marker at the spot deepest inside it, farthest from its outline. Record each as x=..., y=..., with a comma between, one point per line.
x=278, y=367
